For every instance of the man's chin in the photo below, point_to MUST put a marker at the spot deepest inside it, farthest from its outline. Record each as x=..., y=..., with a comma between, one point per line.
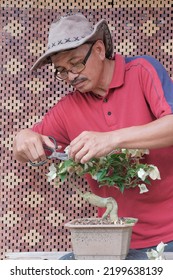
x=81, y=90
x=81, y=87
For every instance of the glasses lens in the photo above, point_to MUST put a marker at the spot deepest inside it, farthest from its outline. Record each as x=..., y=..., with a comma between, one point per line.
x=77, y=68
x=61, y=75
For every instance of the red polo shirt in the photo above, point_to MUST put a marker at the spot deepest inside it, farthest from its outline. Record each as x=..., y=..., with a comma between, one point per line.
x=140, y=92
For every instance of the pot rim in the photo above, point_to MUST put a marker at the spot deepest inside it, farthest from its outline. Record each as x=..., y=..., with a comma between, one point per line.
x=71, y=224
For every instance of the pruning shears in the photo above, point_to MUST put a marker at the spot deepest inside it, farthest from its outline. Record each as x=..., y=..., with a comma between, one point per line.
x=53, y=154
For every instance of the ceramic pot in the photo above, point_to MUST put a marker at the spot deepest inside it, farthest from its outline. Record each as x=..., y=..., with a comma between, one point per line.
x=101, y=241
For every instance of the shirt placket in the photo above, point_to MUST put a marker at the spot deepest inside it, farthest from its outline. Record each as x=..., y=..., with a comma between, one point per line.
x=108, y=112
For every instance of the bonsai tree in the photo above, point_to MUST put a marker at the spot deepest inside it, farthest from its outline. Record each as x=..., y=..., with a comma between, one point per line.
x=121, y=169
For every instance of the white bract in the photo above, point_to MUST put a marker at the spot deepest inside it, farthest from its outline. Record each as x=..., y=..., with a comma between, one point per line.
x=94, y=177
x=143, y=188
x=158, y=253
x=138, y=152
x=52, y=172
x=154, y=172
x=142, y=174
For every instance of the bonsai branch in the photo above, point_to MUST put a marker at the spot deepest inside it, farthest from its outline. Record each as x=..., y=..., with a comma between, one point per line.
x=109, y=203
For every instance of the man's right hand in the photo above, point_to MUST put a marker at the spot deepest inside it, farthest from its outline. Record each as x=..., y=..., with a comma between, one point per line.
x=28, y=145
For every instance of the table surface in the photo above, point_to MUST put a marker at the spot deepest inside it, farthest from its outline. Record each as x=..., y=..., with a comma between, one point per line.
x=35, y=255
x=53, y=255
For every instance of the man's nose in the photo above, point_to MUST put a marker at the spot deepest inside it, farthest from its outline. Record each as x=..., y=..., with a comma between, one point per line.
x=72, y=76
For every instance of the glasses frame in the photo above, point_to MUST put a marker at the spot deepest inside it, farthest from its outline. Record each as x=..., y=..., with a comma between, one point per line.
x=71, y=69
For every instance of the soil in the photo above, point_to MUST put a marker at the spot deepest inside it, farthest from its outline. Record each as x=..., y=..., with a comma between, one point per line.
x=99, y=221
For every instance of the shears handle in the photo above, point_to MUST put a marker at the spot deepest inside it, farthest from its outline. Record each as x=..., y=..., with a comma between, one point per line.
x=46, y=148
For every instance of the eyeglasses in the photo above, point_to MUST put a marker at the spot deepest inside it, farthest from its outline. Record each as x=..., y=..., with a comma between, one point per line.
x=62, y=73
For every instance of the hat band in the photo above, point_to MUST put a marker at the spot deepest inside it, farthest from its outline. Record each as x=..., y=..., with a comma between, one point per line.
x=62, y=42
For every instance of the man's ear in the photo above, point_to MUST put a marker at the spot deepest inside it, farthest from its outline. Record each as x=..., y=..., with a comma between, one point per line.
x=99, y=48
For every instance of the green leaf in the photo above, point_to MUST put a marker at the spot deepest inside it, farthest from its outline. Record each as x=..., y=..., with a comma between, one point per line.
x=63, y=176
x=100, y=174
x=119, y=169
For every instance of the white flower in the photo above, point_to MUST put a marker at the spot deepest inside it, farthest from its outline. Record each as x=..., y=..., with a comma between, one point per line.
x=138, y=152
x=142, y=174
x=52, y=172
x=94, y=177
x=158, y=253
x=90, y=164
x=85, y=166
x=146, y=151
x=160, y=247
x=102, y=160
x=152, y=254
x=143, y=188
x=153, y=172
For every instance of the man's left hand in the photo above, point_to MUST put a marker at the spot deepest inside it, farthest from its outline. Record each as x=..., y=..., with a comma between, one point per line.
x=91, y=144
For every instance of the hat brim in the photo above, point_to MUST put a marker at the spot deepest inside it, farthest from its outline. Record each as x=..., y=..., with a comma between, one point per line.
x=100, y=31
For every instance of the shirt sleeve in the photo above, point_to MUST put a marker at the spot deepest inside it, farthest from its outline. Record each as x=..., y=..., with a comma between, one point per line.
x=157, y=86
x=52, y=125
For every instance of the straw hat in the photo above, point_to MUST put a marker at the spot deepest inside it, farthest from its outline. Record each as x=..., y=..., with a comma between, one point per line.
x=72, y=31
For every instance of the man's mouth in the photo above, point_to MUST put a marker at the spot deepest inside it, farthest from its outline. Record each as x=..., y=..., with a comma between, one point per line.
x=77, y=82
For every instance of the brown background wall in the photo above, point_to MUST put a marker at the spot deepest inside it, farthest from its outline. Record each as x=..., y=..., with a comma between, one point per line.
x=33, y=211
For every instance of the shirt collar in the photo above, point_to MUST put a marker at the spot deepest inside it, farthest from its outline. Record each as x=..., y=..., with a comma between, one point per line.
x=119, y=71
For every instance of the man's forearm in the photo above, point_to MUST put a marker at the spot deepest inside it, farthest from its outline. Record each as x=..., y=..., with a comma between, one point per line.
x=157, y=134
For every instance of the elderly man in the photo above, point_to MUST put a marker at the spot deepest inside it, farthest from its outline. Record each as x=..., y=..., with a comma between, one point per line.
x=117, y=102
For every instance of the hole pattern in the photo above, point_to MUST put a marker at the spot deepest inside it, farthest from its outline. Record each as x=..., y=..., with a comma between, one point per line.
x=33, y=211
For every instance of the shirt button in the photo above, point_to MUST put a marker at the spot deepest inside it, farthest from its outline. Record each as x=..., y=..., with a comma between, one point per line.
x=105, y=100
x=109, y=113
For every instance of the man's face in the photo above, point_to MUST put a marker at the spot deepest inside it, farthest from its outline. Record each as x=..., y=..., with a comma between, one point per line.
x=88, y=78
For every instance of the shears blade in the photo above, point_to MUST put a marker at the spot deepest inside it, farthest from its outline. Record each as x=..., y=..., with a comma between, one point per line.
x=58, y=155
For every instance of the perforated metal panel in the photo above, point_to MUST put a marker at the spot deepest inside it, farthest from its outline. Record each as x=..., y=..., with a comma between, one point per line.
x=33, y=212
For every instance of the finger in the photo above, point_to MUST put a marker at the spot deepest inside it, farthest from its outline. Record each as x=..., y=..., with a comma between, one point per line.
x=33, y=154
x=22, y=157
x=75, y=140
x=26, y=154
x=33, y=150
x=39, y=153
x=75, y=149
x=46, y=140
x=88, y=156
x=83, y=155
x=29, y=147
x=80, y=139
